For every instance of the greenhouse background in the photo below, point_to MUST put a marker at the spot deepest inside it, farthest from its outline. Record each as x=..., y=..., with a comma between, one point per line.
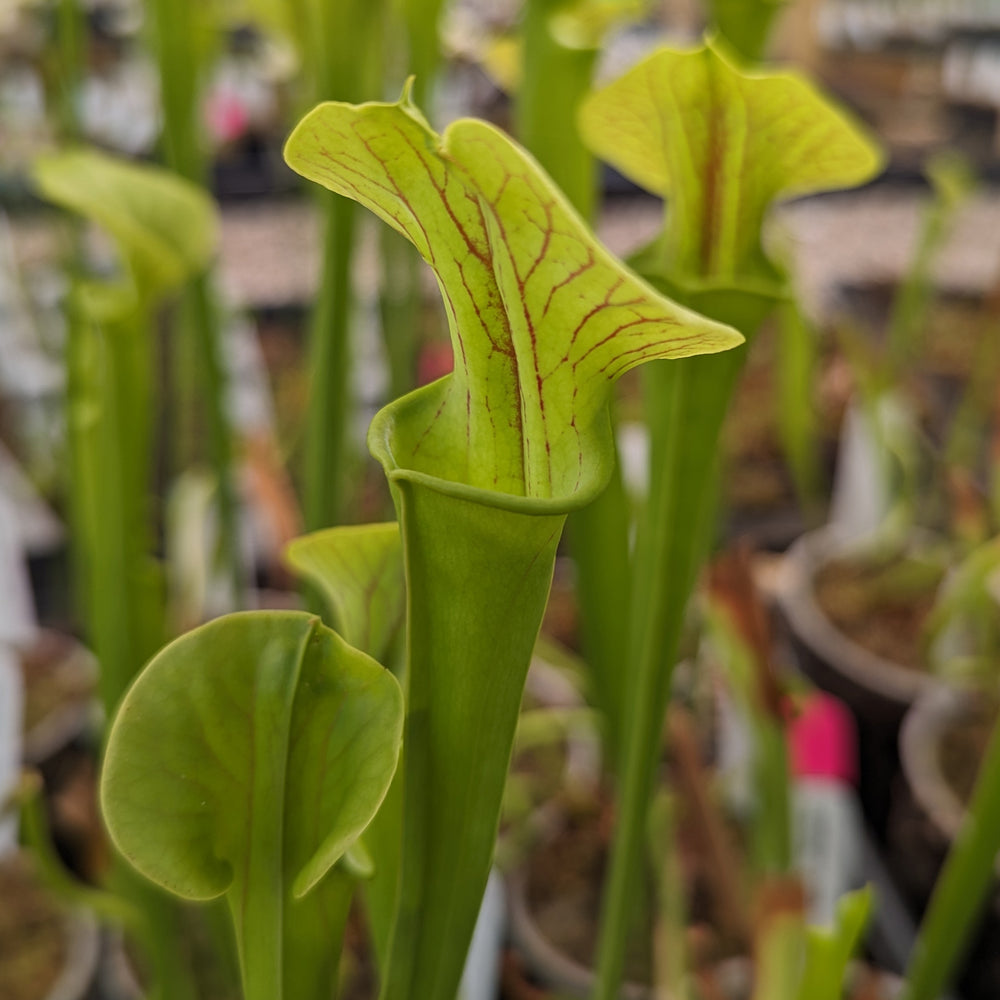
x=499, y=500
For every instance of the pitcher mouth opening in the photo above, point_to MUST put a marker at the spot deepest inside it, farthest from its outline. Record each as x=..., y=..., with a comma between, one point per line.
x=383, y=442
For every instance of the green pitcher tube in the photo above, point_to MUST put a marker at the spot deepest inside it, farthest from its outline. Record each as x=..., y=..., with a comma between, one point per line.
x=478, y=580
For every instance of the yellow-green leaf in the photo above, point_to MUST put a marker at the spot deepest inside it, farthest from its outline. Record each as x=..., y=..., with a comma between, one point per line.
x=543, y=319
x=359, y=569
x=721, y=143
x=165, y=228
x=245, y=760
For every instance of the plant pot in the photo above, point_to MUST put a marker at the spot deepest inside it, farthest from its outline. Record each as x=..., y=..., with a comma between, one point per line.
x=772, y=529
x=48, y=954
x=940, y=745
x=926, y=808
x=874, y=687
x=557, y=971
x=877, y=690
x=734, y=978
x=933, y=779
x=116, y=975
x=554, y=902
x=545, y=961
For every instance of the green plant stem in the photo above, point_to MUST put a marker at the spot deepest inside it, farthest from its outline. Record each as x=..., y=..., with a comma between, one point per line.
x=745, y=24
x=71, y=40
x=915, y=292
x=556, y=78
x=555, y=81
x=206, y=325
x=343, y=60
x=797, y=416
x=109, y=401
x=107, y=383
x=329, y=362
x=772, y=846
x=467, y=660
x=961, y=889
x=400, y=309
x=978, y=397
x=686, y=401
x=669, y=953
x=258, y=910
x=666, y=561
x=178, y=36
x=421, y=18
x=598, y=539
x=109, y=407
x=159, y=935
x=951, y=184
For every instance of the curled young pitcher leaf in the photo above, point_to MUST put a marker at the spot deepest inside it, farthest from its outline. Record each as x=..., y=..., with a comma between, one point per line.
x=165, y=228
x=543, y=319
x=252, y=702
x=245, y=761
x=359, y=570
x=721, y=143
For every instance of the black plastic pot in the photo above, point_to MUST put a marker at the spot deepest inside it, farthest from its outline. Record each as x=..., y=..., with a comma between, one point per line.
x=876, y=690
x=557, y=971
x=546, y=963
x=927, y=814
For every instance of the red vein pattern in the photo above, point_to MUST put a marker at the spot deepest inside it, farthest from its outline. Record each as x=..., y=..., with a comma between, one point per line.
x=542, y=317
x=722, y=145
